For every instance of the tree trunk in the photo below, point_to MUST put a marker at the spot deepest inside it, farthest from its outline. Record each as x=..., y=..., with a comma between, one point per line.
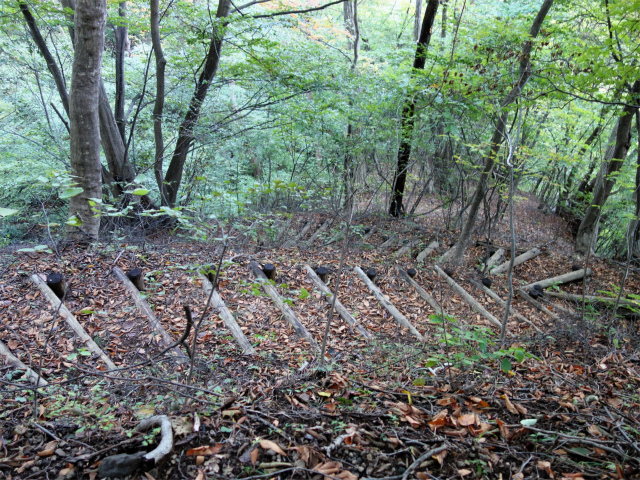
x=498, y=135
x=565, y=195
x=158, y=107
x=417, y=23
x=173, y=177
x=443, y=33
x=587, y=232
x=351, y=22
x=90, y=19
x=121, y=40
x=396, y=207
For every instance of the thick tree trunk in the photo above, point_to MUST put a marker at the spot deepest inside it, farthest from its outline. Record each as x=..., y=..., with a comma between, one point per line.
x=90, y=19
x=173, y=177
x=158, y=107
x=396, y=208
x=587, y=232
x=498, y=135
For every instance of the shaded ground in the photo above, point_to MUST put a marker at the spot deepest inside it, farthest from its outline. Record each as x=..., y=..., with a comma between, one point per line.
x=394, y=407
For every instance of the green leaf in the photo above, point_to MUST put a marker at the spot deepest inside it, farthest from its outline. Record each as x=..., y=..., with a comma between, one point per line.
x=505, y=365
x=519, y=355
x=529, y=422
x=74, y=221
x=304, y=293
x=71, y=192
x=72, y=356
x=5, y=212
x=419, y=382
x=140, y=191
x=581, y=451
x=86, y=311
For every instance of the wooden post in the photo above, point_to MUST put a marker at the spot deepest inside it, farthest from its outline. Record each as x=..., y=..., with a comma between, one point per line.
x=340, y=308
x=467, y=298
x=144, y=308
x=227, y=317
x=421, y=291
x=269, y=271
x=533, y=253
x=317, y=233
x=55, y=281
x=289, y=315
x=412, y=272
x=371, y=274
x=427, y=251
x=369, y=234
x=495, y=259
x=11, y=359
x=407, y=248
x=395, y=313
x=135, y=276
x=322, y=273
x=503, y=304
x=566, y=278
x=71, y=321
x=525, y=296
x=389, y=242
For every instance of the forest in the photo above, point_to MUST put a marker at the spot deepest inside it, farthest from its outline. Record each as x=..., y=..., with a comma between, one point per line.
x=323, y=239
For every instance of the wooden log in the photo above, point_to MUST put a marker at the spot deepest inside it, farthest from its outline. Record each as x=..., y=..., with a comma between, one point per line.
x=395, y=313
x=503, y=304
x=467, y=298
x=289, y=315
x=496, y=258
x=421, y=291
x=406, y=249
x=553, y=306
x=227, y=317
x=389, y=242
x=340, y=308
x=427, y=251
x=526, y=297
x=317, y=233
x=284, y=230
x=145, y=309
x=55, y=281
x=624, y=302
x=292, y=243
x=14, y=361
x=135, y=275
x=566, y=278
x=533, y=253
x=369, y=234
x=71, y=321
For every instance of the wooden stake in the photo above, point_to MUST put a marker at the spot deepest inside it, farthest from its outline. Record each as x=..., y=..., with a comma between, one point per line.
x=322, y=273
x=340, y=308
x=71, y=321
x=407, y=248
x=317, y=233
x=427, y=251
x=389, y=242
x=526, y=297
x=566, y=278
x=467, y=298
x=227, y=317
x=144, y=308
x=421, y=291
x=289, y=315
x=11, y=359
x=55, y=281
x=395, y=313
x=533, y=253
x=369, y=234
x=135, y=276
x=495, y=259
x=502, y=303
x=269, y=271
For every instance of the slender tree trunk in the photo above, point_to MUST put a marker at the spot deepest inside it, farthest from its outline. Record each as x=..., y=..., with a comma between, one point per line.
x=121, y=40
x=459, y=248
x=86, y=169
x=443, y=33
x=158, y=107
x=173, y=177
x=587, y=232
x=417, y=21
x=351, y=22
x=396, y=208
x=565, y=196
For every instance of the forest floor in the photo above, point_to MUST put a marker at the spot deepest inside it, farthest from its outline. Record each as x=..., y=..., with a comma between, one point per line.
x=560, y=399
